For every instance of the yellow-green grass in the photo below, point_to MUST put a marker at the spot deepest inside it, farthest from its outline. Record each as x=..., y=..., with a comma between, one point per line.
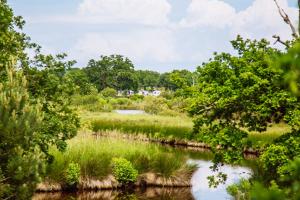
x=151, y=125
x=267, y=137
x=178, y=127
x=94, y=156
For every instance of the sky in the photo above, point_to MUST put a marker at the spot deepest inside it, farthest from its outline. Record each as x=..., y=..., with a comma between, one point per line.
x=159, y=35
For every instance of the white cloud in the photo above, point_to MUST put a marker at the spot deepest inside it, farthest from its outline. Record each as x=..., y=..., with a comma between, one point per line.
x=140, y=46
x=260, y=20
x=213, y=13
x=145, y=12
x=150, y=12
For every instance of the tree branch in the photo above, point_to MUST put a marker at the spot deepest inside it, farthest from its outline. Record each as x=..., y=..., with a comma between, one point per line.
x=287, y=20
x=278, y=39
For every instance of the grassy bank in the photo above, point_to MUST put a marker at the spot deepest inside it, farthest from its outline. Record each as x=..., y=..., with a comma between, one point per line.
x=94, y=157
x=150, y=125
x=166, y=127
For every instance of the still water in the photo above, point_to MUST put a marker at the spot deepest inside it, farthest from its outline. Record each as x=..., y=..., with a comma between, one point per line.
x=130, y=112
x=199, y=190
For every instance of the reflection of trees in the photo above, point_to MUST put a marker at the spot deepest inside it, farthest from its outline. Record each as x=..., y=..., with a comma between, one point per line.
x=147, y=194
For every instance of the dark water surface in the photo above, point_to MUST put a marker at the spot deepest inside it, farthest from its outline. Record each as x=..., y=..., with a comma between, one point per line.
x=199, y=190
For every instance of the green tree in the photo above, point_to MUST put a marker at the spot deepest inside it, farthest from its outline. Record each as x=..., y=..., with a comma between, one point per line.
x=49, y=85
x=22, y=162
x=235, y=92
x=113, y=71
x=148, y=79
x=12, y=42
x=81, y=81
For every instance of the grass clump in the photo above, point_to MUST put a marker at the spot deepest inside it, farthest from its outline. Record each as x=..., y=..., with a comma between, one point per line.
x=94, y=156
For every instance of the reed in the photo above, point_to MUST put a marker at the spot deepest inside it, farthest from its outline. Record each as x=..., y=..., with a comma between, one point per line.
x=95, y=155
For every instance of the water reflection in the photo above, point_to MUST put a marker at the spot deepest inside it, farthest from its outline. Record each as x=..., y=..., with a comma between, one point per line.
x=199, y=191
x=149, y=194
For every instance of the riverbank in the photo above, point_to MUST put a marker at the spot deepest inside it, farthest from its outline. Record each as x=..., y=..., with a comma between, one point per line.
x=156, y=165
x=172, y=130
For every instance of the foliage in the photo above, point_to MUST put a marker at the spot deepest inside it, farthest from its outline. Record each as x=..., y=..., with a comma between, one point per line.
x=81, y=81
x=240, y=191
x=72, y=174
x=109, y=92
x=48, y=83
x=237, y=92
x=22, y=162
x=12, y=42
x=93, y=103
x=124, y=171
x=113, y=71
x=148, y=79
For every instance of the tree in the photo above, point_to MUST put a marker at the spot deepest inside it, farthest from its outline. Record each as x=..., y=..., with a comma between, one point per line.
x=33, y=116
x=236, y=92
x=147, y=79
x=49, y=85
x=113, y=71
x=22, y=161
x=81, y=81
x=12, y=42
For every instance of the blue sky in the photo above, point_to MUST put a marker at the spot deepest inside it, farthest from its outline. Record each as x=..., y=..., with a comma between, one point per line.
x=159, y=35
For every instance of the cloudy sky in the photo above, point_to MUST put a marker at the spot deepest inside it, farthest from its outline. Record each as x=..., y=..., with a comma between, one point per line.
x=159, y=35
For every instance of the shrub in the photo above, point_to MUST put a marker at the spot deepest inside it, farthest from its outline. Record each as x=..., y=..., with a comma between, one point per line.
x=155, y=105
x=109, y=92
x=124, y=171
x=72, y=174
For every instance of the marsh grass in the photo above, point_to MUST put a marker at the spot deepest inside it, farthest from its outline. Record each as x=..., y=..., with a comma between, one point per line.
x=167, y=127
x=151, y=125
x=95, y=155
x=267, y=137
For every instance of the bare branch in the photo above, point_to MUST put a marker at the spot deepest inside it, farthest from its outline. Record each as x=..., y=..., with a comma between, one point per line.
x=278, y=39
x=287, y=20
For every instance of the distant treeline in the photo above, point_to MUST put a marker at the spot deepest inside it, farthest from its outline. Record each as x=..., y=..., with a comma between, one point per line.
x=119, y=73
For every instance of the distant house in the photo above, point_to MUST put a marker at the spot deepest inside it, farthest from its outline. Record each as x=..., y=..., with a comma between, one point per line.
x=156, y=93
x=143, y=92
x=130, y=92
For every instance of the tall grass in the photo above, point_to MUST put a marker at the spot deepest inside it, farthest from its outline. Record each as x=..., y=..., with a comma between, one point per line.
x=94, y=157
x=150, y=125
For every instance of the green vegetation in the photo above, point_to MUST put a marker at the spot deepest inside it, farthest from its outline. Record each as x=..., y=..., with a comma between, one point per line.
x=124, y=171
x=250, y=99
x=72, y=175
x=95, y=158
x=150, y=125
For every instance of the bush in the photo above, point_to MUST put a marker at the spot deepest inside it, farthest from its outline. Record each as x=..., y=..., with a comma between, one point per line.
x=109, y=92
x=155, y=105
x=72, y=174
x=124, y=171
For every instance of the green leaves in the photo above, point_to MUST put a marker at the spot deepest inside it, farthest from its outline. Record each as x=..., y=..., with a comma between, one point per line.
x=20, y=121
x=124, y=171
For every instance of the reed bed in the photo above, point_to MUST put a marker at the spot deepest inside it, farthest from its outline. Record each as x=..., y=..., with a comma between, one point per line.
x=167, y=127
x=95, y=155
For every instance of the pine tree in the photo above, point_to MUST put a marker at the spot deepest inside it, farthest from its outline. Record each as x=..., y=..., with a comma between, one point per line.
x=21, y=163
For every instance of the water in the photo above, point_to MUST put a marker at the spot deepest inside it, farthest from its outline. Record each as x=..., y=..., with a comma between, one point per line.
x=130, y=112
x=199, y=190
